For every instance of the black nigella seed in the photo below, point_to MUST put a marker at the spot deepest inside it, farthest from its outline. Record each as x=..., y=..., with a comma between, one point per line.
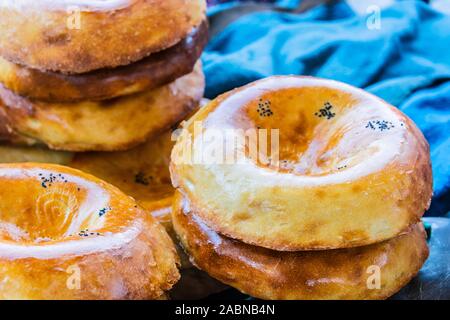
x=326, y=112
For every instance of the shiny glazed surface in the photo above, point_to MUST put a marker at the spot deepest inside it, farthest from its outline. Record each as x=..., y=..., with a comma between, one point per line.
x=141, y=172
x=56, y=221
x=75, y=37
x=352, y=169
x=311, y=275
x=156, y=70
x=109, y=125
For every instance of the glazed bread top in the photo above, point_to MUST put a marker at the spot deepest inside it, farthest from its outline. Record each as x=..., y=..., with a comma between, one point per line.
x=81, y=36
x=340, y=168
x=48, y=211
x=55, y=219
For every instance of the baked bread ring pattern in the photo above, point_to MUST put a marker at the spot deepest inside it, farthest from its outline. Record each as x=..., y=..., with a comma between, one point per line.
x=40, y=35
x=311, y=275
x=352, y=169
x=65, y=219
x=142, y=173
x=107, y=125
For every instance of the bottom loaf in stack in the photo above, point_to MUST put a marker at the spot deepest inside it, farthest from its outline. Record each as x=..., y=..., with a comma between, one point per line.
x=142, y=173
x=324, y=274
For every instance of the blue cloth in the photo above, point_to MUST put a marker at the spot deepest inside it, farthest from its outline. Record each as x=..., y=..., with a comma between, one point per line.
x=406, y=62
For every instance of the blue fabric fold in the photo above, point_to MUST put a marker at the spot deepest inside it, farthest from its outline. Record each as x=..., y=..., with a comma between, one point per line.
x=406, y=62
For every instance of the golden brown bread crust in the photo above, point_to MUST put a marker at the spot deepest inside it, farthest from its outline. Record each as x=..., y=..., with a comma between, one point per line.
x=156, y=70
x=75, y=224
x=8, y=135
x=139, y=272
x=141, y=172
x=45, y=35
x=12, y=153
x=108, y=125
x=312, y=275
x=357, y=175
